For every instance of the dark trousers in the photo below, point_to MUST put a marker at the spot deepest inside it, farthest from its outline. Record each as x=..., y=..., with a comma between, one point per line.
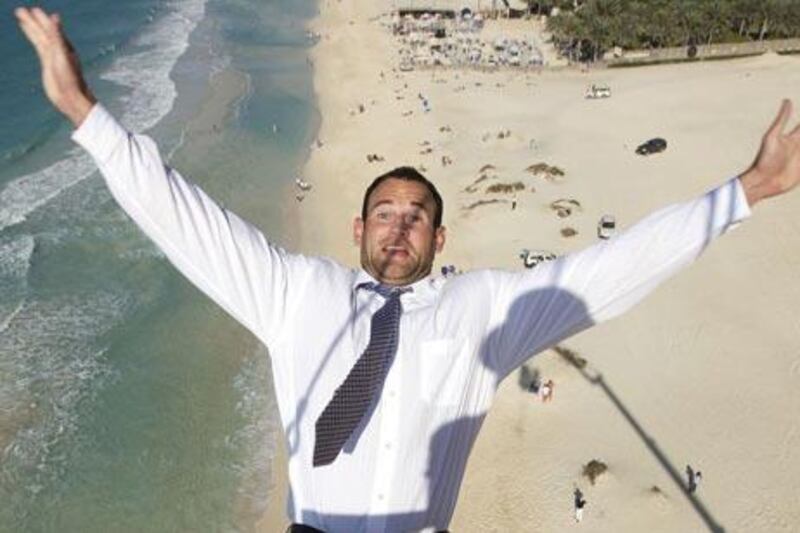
x=300, y=528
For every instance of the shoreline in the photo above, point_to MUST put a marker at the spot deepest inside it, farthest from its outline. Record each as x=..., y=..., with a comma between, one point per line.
x=259, y=504
x=203, y=131
x=672, y=362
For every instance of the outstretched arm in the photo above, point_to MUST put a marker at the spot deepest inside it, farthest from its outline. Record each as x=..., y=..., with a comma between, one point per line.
x=224, y=256
x=61, y=71
x=537, y=309
x=776, y=169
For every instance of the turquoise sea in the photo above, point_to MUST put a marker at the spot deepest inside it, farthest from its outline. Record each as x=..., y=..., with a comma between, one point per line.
x=129, y=402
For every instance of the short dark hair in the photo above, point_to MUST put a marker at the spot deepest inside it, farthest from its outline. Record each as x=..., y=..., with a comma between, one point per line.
x=406, y=174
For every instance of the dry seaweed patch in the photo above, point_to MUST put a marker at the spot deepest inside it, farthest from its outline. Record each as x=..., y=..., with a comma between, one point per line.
x=473, y=187
x=505, y=187
x=594, y=469
x=570, y=356
x=548, y=172
x=564, y=207
x=484, y=202
x=504, y=133
x=568, y=232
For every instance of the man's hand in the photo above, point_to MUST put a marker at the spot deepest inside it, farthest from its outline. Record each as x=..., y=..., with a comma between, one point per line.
x=61, y=71
x=776, y=169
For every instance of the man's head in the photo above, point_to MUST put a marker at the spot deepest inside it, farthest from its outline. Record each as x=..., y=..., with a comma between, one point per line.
x=400, y=227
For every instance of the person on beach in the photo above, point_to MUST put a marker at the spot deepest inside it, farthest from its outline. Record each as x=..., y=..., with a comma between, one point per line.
x=690, y=483
x=579, y=503
x=547, y=391
x=544, y=391
x=384, y=374
x=693, y=479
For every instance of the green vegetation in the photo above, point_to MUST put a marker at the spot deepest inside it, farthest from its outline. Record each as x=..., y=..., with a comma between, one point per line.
x=585, y=30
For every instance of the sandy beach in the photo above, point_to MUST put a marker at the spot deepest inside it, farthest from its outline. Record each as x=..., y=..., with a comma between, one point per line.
x=704, y=373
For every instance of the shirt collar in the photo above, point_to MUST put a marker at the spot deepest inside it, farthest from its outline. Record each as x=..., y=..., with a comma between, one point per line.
x=424, y=291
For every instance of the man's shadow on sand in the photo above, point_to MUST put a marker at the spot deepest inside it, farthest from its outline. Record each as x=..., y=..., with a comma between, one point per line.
x=596, y=378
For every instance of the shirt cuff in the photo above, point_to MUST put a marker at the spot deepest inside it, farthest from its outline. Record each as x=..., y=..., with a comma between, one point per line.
x=99, y=133
x=738, y=206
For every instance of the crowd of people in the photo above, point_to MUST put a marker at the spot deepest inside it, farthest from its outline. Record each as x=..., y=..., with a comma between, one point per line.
x=431, y=40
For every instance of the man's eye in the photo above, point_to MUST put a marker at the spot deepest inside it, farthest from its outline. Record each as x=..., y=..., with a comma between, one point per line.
x=382, y=215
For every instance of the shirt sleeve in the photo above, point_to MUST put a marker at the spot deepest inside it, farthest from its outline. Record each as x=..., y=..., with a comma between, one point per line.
x=224, y=256
x=536, y=309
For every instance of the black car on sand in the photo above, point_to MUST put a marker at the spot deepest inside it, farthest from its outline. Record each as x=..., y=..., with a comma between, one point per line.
x=652, y=146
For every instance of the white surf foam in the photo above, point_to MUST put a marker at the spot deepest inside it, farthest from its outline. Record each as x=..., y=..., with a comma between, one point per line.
x=7, y=316
x=26, y=193
x=152, y=93
x=51, y=368
x=15, y=258
x=253, y=443
x=146, y=72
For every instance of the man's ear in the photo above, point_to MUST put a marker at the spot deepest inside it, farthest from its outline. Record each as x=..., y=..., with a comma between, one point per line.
x=358, y=230
x=439, y=238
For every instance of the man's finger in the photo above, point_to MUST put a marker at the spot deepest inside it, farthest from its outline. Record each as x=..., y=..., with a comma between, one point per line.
x=33, y=34
x=21, y=13
x=783, y=117
x=41, y=17
x=25, y=15
x=795, y=133
x=30, y=27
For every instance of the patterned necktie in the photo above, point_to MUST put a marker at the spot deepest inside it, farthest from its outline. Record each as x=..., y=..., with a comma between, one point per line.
x=354, y=396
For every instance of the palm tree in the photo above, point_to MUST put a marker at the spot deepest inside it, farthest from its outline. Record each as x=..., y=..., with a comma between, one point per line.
x=745, y=14
x=713, y=17
x=586, y=29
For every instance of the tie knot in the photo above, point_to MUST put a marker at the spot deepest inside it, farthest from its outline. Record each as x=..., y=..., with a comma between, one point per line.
x=387, y=291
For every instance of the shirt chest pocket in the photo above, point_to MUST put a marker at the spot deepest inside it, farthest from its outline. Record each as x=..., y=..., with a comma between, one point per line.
x=443, y=371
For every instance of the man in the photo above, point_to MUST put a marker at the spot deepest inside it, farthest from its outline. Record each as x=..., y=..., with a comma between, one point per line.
x=384, y=374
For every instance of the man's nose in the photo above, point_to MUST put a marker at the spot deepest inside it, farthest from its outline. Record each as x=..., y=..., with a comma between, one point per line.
x=400, y=225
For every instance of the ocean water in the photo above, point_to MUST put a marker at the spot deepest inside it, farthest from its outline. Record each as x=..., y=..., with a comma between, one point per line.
x=129, y=402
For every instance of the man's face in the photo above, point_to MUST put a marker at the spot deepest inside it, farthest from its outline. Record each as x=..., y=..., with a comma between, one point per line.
x=397, y=239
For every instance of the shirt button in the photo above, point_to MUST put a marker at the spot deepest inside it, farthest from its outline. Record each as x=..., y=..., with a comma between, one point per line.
x=392, y=393
x=380, y=497
x=388, y=445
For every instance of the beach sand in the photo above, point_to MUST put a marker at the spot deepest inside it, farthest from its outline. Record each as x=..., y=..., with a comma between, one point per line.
x=704, y=372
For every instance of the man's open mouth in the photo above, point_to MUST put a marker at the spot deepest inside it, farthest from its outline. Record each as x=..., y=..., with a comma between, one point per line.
x=399, y=251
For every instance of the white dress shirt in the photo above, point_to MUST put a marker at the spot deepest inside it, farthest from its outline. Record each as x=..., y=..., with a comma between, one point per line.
x=459, y=336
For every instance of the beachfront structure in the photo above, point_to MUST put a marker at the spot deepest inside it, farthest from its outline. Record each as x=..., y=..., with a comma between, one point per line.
x=436, y=39
x=451, y=8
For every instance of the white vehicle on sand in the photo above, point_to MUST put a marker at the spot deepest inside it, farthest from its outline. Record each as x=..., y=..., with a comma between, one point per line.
x=606, y=227
x=597, y=91
x=532, y=258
